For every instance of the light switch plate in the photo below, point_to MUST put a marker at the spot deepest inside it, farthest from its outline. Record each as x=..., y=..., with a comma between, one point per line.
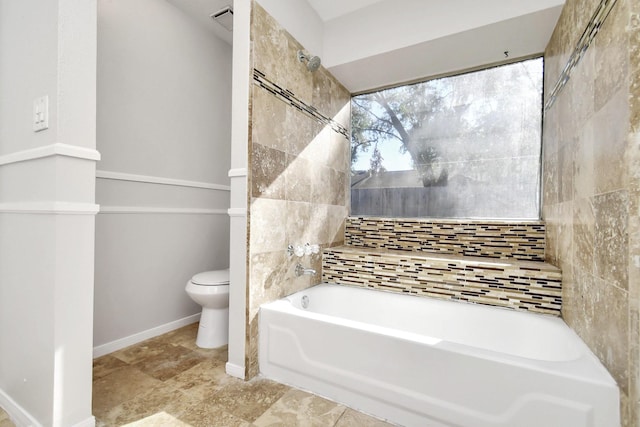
x=41, y=113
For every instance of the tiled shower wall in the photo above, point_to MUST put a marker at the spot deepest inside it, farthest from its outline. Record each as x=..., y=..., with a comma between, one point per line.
x=591, y=186
x=299, y=168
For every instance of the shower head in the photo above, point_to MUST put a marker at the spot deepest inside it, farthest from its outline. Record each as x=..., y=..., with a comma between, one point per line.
x=313, y=62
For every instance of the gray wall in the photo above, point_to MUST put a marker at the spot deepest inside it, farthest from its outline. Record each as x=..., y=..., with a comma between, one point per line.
x=164, y=112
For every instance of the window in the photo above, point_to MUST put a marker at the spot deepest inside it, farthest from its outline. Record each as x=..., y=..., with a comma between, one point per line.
x=466, y=146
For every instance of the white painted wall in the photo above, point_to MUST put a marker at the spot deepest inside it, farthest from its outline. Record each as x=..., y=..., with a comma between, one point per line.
x=164, y=115
x=47, y=211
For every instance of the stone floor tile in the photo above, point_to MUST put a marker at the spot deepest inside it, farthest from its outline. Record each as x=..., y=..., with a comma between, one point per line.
x=180, y=336
x=248, y=399
x=206, y=415
x=203, y=380
x=157, y=400
x=105, y=365
x=299, y=408
x=172, y=361
x=352, y=418
x=119, y=386
x=142, y=351
x=160, y=419
x=220, y=353
x=186, y=337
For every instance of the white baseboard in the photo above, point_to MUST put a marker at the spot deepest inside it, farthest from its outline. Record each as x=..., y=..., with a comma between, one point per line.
x=234, y=370
x=121, y=343
x=19, y=416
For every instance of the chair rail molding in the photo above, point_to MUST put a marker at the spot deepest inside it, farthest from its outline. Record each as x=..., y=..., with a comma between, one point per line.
x=57, y=149
x=159, y=210
x=50, y=207
x=122, y=176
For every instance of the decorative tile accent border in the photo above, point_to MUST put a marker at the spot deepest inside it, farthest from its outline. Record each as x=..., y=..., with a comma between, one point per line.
x=285, y=95
x=492, y=239
x=519, y=285
x=596, y=21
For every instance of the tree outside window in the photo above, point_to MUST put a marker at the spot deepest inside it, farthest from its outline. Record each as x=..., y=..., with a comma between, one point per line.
x=456, y=147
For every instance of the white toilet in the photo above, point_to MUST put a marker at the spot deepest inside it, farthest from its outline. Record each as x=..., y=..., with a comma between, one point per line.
x=211, y=290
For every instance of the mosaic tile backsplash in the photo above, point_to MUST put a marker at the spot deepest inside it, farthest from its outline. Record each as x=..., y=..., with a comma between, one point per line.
x=522, y=240
x=520, y=285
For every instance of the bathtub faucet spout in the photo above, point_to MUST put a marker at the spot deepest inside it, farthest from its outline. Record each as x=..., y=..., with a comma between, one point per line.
x=301, y=271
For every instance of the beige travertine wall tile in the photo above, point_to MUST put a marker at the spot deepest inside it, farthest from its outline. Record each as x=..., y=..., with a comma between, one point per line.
x=633, y=159
x=275, y=54
x=322, y=85
x=323, y=148
x=611, y=327
x=583, y=167
x=584, y=224
x=585, y=83
x=611, y=48
x=565, y=235
x=269, y=126
x=268, y=168
x=299, y=227
x=299, y=161
x=634, y=101
x=252, y=367
x=550, y=180
x=565, y=173
x=333, y=230
x=299, y=132
x=609, y=144
x=298, y=179
x=268, y=217
x=611, y=241
x=552, y=233
x=577, y=309
x=593, y=233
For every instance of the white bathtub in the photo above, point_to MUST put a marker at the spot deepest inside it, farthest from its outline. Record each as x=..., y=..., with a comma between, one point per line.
x=424, y=362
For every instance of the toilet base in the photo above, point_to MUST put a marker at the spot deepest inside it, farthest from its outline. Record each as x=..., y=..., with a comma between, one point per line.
x=213, y=330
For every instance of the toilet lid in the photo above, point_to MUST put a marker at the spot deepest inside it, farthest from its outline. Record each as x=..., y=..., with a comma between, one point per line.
x=211, y=278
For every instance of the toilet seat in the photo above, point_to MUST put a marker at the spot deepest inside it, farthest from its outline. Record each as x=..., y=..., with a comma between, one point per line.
x=211, y=278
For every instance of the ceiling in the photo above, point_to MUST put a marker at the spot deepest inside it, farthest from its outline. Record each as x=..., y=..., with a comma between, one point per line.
x=331, y=9
x=200, y=11
x=369, y=44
